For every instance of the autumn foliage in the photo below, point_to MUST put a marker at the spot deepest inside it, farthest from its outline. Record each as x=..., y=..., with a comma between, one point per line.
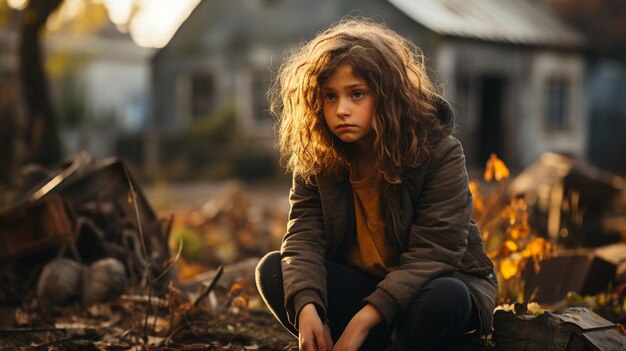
x=508, y=237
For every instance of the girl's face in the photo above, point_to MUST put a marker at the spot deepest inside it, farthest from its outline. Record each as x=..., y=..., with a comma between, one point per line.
x=348, y=107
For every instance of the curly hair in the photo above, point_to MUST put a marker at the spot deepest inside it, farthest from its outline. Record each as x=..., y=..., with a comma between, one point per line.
x=393, y=67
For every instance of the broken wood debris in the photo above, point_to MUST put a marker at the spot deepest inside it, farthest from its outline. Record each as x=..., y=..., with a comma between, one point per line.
x=92, y=212
x=572, y=329
x=35, y=226
x=175, y=322
x=114, y=243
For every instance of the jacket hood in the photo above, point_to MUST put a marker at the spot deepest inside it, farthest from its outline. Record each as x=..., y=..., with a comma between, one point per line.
x=445, y=114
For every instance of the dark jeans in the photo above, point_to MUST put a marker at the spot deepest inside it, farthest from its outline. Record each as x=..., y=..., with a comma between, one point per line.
x=440, y=314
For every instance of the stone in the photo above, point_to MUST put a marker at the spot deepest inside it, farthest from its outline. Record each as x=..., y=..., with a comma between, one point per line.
x=60, y=282
x=104, y=280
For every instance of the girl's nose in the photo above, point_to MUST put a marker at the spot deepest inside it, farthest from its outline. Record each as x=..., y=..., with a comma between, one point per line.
x=343, y=108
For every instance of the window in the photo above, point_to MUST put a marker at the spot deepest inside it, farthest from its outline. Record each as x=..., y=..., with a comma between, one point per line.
x=260, y=105
x=557, y=103
x=202, y=95
x=253, y=114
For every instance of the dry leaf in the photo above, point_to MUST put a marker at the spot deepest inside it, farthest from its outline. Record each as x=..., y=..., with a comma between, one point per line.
x=508, y=268
x=511, y=245
x=495, y=169
x=21, y=317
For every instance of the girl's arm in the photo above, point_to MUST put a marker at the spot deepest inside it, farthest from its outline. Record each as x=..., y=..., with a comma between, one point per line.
x=438, y=234
x=303, y=253
x=358, y=328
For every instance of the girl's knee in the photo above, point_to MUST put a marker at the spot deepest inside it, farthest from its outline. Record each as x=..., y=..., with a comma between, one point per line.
x=442, y=301
x=439, y=314
x=447, y=293
x=266, y=267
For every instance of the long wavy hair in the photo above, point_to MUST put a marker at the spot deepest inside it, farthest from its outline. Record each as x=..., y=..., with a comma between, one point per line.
x=393, y=67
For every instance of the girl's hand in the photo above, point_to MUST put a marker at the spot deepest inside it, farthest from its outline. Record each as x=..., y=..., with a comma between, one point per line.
x=357, y=329
x=313, y=334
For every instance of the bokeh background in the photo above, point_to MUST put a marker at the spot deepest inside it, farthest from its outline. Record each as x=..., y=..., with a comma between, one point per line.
x=178, y=88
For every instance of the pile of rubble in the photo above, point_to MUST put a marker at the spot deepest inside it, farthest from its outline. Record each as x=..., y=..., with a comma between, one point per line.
x=86, y=264
x=93, y=215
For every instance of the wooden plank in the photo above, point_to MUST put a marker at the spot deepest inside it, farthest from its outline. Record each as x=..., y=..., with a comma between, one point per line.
x=583, y=318
x=528, y=332
x=602, y=340
x=574, y=329
x=577, y=343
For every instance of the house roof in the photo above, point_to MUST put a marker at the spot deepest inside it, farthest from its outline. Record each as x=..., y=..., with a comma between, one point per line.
x=508, y=21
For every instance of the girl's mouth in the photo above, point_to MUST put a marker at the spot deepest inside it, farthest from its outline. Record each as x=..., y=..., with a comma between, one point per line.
x=344, y=125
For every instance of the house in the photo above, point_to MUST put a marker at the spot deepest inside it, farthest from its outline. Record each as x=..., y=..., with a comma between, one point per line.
x=605, y=78
x=100, y=86
x=98, y=81
x=606, y=82
x=511, y=69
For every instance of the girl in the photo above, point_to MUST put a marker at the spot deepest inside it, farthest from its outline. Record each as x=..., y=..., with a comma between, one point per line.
x=380, y=249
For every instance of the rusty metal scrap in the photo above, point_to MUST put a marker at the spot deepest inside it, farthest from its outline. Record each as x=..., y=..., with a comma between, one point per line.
x=35, y=226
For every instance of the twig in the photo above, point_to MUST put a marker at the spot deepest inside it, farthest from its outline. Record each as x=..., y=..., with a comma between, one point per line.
x=171, y=264
x=487, y=211
x=133, y=195
x=181, y=327
x=210, y=287
x=168, y=228
x=144, y=300
x=31, y=330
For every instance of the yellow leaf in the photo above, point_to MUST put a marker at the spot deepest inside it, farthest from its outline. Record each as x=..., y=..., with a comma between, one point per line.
x=537, y=247
x=511, y=245
x=508, y=268
x=495, y=168
x=514, y=233
x=493, y=254
x=479, y=204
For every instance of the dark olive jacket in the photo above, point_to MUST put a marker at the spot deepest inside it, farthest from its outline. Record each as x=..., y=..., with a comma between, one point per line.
x=428, y=214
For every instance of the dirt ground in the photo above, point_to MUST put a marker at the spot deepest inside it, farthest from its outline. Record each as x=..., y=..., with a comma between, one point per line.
x=120, y=328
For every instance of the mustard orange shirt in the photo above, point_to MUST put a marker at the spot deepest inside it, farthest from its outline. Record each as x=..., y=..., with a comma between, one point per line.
x=372, y=252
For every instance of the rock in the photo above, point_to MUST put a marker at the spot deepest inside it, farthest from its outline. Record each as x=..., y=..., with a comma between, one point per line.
x=60, y=282
x=104, y=280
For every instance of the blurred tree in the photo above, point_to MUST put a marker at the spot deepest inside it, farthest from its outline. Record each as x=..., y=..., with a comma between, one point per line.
x=28, y=121
x=41, y=134
x=602, y=21
x=7, y=108
x=37, y=133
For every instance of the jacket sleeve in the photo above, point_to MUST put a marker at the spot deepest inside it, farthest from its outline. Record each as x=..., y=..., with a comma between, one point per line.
x=438, y=233
x=303, y=252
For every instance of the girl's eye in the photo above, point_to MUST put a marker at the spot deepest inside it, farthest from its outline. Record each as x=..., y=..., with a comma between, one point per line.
x=329, y=97
x=357, y=94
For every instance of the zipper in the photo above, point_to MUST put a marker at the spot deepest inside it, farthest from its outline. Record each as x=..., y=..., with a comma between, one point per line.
x=395, y=227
